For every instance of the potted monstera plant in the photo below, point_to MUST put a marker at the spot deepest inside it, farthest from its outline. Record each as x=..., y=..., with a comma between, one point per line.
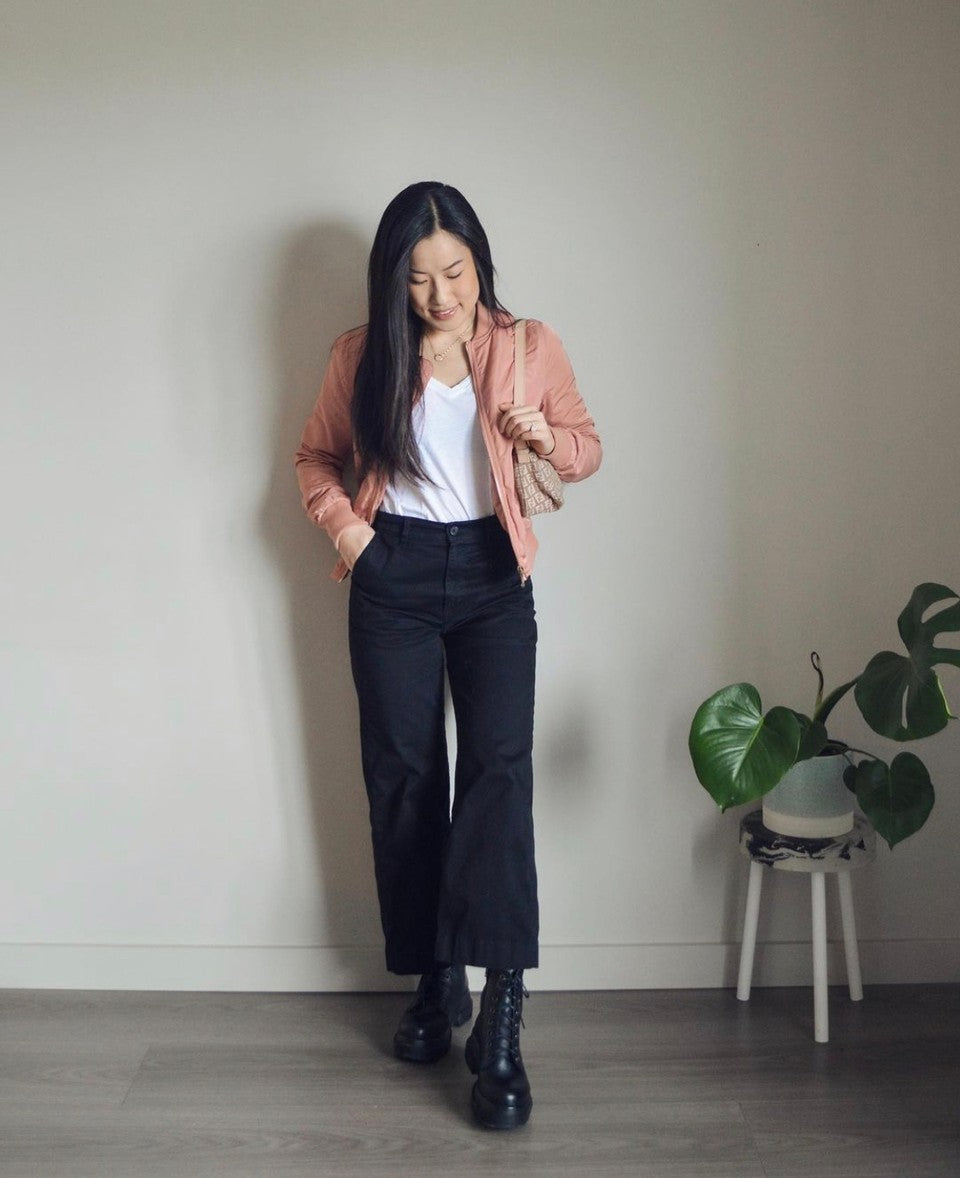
x=741, y=753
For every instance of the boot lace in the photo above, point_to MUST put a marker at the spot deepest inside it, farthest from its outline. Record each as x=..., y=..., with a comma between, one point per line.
x=506, y=1017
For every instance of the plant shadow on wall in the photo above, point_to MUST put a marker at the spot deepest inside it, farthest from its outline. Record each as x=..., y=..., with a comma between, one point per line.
x=319, y=295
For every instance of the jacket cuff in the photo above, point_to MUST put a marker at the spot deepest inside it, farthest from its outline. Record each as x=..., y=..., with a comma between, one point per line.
x=336, y=517
x=561, y=456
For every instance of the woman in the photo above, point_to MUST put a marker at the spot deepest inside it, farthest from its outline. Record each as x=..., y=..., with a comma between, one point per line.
x=421, y=400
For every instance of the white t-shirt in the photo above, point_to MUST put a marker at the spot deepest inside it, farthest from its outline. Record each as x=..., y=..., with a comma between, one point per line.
x=454, y=458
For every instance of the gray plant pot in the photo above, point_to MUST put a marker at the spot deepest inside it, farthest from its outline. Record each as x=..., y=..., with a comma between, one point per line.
x=811, y=800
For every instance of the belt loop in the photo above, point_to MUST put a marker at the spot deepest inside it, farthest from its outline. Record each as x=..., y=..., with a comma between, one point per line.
x=404, y=525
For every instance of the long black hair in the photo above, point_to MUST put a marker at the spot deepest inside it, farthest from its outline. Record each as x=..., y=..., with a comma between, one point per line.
x=388, y=380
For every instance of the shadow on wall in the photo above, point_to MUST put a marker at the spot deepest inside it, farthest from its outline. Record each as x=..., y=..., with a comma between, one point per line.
x=320, y=293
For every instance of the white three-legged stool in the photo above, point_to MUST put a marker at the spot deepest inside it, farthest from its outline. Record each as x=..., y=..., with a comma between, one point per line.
x=817, y=857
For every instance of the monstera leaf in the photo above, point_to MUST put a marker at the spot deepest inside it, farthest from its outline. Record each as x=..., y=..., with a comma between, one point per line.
x=897, y=800
x=738, y=753
x=900, y=696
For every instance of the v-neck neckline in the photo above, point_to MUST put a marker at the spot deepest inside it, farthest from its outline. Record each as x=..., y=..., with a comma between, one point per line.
x=448, y=388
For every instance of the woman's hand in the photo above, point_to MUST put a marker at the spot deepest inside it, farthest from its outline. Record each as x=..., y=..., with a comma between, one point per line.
x=528, y=423
x=352, y=542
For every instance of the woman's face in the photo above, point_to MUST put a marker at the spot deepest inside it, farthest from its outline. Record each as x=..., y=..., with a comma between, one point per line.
x=443, y=283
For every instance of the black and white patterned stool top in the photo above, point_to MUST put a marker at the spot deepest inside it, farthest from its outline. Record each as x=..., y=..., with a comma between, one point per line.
x=844, y=852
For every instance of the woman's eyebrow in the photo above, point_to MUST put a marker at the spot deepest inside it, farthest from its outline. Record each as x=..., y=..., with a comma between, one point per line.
x=458, y=262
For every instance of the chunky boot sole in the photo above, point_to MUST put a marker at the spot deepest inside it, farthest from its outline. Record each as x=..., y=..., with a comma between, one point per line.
x=495, y=1116
x=485, y=1112
x=419, y=1050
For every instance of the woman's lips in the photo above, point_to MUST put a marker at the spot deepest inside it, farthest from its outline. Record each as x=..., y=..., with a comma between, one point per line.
x=448, y=314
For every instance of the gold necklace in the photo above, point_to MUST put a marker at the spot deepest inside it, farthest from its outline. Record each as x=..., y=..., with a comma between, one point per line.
x=438, y=356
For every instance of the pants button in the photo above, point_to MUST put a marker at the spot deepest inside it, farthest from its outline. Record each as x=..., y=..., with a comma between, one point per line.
x=454, y=530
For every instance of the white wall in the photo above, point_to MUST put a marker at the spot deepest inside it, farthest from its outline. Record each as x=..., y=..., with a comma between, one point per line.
x=741, y=217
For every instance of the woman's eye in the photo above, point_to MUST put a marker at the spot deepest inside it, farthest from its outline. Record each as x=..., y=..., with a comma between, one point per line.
x=457, y=275
x=417, y=281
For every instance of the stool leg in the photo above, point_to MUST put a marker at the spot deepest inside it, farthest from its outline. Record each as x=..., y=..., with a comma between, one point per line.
x=750, y=919
x=854, y=980
x=818, y=908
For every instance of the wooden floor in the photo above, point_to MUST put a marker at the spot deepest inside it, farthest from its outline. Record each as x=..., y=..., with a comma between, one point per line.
x=685, y=1083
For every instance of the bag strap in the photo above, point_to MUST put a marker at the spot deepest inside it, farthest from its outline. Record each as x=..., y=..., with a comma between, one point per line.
x=519, y=355
x=519, y=381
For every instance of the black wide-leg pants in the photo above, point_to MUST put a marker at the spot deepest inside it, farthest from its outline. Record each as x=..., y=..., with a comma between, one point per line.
x=456, y=886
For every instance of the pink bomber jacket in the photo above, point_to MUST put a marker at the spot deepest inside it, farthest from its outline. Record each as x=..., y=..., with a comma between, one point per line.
x=327, y=442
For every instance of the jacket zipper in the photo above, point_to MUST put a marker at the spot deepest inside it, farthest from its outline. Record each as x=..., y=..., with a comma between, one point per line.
x=491, y=456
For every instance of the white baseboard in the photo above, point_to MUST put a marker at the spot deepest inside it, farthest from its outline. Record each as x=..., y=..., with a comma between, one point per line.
x=352, y=968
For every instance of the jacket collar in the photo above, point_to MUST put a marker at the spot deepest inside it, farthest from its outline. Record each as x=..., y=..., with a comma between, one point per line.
x=484, y=326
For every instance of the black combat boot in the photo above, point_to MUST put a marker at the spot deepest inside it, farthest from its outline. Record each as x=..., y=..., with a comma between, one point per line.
x=501, y=1096
x=443, y=1000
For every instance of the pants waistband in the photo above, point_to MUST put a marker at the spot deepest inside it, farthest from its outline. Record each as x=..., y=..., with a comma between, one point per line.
x=433, y=532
